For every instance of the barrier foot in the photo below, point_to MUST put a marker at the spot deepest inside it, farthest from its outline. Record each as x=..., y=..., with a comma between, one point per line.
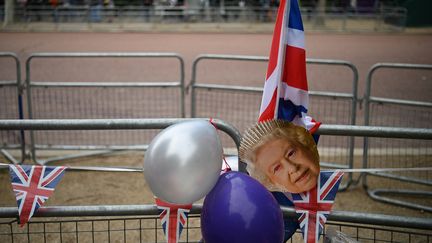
x=9, y=157
x=75, y=156
x=374, y=194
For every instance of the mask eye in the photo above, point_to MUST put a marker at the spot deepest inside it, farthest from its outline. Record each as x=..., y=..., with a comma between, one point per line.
x=291, y=152
x=276, y=168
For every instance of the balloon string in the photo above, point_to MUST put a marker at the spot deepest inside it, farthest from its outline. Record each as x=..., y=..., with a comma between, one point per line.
x=381, y=169
x=227, y=167
x=87, y=168
x=130, y=169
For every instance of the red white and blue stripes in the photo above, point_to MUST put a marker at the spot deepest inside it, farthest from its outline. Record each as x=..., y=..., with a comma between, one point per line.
x=173, y=218
x=286, y=90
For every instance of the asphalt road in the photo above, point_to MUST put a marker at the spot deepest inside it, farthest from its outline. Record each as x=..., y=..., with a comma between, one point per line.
x=363, y=50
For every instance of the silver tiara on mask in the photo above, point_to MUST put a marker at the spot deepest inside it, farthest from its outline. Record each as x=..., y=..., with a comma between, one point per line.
x=254, y=135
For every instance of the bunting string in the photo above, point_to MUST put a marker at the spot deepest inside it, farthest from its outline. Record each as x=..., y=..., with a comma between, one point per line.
x=132, y=169
x=379, y=169
x=89, y=168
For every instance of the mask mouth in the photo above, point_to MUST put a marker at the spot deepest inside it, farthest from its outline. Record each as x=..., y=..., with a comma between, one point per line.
x=303, y=176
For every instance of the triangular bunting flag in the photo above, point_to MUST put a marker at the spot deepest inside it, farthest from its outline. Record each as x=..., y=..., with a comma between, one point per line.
x=173, y=218
x=314, y=206
x=33, y=185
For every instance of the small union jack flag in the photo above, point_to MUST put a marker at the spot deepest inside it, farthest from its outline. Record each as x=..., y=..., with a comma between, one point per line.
x=314, y=206
x=173, y=218
x=33, y=185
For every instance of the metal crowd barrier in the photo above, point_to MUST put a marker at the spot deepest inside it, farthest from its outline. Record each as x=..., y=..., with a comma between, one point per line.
x=140, y=223
x=11, y=108
x=333, y=19
x=98, y=100
x=126, y=223
x=382, y=153
x=240, y=105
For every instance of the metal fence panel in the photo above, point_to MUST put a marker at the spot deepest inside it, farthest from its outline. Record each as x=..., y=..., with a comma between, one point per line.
x=240, y=104
x=398, y=153
x=99, y=100
x=148, y=229
x=123, y=224
x=147, y=226
x=11, y=106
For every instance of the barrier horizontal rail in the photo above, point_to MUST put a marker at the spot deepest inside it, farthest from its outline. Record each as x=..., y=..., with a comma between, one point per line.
x=151, y=209
x=238, y=88
x=106, y=124
x=375, y=131
x=109, y=124
x=102, y=54
x=7, y=82
x=103, y=84
x=400, y=102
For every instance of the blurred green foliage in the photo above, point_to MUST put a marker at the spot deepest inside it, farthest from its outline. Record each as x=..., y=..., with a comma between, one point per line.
x=419, y=12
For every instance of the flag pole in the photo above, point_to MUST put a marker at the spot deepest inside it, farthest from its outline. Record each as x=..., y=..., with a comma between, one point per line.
x=281, y=55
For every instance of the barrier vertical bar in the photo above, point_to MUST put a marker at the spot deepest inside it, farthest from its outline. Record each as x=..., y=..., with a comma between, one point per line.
x=369, y=99
x=19, y=90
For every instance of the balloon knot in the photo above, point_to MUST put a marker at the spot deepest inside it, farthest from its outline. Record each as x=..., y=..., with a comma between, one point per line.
x=211, y=122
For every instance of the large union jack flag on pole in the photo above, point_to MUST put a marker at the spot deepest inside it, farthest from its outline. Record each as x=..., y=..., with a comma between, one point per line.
x=33, y=185
x=313, y=207
x=286, y=97
x=173, y=218
x=285, y=93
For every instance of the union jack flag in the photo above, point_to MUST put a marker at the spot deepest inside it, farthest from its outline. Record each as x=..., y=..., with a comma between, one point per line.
x=173, y=218
x=314, y=206
x=33, y=185
x=285, y=93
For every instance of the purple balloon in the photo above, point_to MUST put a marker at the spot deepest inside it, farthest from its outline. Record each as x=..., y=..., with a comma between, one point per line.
x=240, y=209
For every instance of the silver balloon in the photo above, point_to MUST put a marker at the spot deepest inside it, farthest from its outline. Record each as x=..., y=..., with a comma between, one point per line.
x=183, y=162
